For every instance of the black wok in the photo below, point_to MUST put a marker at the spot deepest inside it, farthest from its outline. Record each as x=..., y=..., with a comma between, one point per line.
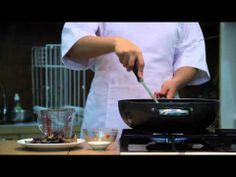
x=169, y=115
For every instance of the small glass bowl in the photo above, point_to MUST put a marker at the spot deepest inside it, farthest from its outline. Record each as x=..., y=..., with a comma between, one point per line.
x=100, y=138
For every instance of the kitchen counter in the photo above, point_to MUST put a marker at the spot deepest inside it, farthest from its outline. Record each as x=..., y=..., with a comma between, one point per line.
x=10, y=147
x=23, y=130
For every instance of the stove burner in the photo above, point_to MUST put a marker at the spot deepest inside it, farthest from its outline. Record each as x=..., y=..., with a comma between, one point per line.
x=169, y=140
x=179, y=144
x=220, y=140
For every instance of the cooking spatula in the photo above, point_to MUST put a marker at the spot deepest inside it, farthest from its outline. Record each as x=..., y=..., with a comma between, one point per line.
x=141, y=80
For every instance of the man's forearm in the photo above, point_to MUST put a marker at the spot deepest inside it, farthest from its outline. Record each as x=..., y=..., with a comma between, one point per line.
x=91, y=46
x=184, y=75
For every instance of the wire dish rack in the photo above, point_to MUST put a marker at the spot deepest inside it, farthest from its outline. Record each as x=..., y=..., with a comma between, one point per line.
x=53, y=85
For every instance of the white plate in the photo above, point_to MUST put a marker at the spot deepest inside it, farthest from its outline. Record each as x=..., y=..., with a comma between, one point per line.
x=52, y=146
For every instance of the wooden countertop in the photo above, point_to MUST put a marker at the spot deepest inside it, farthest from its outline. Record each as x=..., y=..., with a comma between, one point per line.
x=10, y=147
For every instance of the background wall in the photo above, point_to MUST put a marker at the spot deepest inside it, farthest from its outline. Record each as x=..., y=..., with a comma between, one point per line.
x=15, y=56
x=16, y=40
x=228, y=75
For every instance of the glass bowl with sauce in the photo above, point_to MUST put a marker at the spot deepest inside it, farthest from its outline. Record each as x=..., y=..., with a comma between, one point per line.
x=100, y=138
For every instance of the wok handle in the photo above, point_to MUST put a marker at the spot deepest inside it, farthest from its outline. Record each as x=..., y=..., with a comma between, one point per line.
x=135, y=70
x=174, y=112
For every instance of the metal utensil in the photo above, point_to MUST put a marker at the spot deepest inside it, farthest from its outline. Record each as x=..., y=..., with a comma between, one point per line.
x=141, y=80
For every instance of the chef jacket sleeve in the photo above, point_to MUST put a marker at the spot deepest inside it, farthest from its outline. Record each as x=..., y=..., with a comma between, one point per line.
x=190, y=51
x=71, y=33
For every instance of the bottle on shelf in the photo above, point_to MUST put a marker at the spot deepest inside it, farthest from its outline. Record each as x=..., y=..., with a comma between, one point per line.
x=17, y=103
x=17, y=110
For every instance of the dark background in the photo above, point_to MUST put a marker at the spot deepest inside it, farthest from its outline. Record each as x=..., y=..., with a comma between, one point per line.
x=17, y=39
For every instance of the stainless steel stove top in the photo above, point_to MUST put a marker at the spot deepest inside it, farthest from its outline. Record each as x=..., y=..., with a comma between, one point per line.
x=220, y=141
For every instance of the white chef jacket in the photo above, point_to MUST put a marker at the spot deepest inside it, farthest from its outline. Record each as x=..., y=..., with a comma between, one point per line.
x=165, y=46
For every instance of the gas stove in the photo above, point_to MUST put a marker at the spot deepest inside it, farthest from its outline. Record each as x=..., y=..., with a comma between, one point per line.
x=218, y=141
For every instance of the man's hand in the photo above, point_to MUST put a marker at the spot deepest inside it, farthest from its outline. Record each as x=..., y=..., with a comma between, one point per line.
x=128, y=53
x=169, y=89
x=181, y=77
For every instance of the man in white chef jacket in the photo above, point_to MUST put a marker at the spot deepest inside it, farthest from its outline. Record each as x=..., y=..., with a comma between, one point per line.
x=168, y=55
